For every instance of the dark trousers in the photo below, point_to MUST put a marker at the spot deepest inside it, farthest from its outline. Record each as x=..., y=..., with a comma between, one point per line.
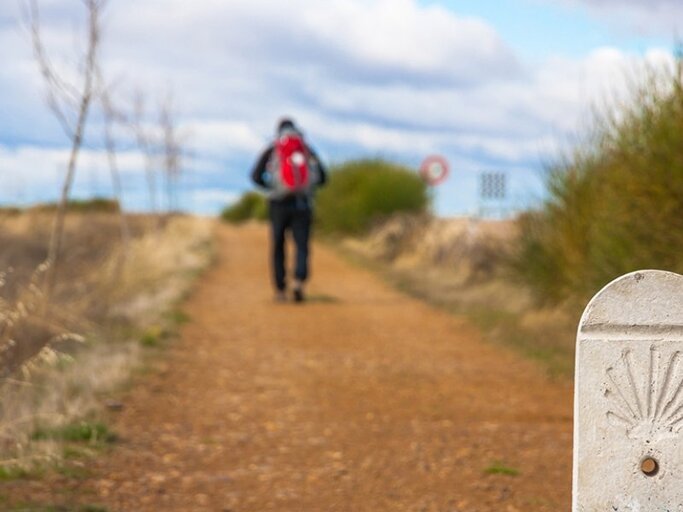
x=294, y=216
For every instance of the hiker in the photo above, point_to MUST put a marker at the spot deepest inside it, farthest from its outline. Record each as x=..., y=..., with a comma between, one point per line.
x=290, y=171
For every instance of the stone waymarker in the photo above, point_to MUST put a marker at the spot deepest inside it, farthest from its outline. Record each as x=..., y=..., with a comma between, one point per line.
x=628, y=411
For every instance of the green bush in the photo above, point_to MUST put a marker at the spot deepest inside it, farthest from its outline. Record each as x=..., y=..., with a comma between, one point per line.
x=362, y=192
x=251, y=205
x=616, y=205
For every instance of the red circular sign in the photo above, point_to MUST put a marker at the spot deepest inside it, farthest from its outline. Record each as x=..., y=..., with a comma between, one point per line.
x=434, y=170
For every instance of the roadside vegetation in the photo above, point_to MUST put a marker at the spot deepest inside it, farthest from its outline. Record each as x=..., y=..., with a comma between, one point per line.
x=615, y=205
x=61, y=358
x=362, y=193
x=250, y=206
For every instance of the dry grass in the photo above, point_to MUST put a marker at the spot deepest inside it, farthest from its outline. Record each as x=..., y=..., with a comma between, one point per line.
x=452, y=256
x=58, y=359
x=55, y=390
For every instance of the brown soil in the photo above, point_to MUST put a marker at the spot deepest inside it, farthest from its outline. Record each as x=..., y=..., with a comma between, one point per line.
x=360, y=400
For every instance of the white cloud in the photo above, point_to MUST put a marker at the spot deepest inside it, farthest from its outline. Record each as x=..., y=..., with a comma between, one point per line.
x=220, y=136
x=650, y=17
x=380, y=40
x=215, y=195
x=401, y=39
x=35, y=162
x=513, y=120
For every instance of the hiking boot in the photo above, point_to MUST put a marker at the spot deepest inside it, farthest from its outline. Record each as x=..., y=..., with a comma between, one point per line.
x=299, y=292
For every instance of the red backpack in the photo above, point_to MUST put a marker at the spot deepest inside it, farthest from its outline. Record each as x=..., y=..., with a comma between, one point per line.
x=292, y=170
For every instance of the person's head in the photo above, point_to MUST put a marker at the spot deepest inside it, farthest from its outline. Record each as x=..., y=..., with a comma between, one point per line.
x=286, y=125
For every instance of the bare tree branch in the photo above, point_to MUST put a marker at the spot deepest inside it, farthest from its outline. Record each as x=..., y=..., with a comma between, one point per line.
x=111, y=116
x=61, y=98
x=56, y=89
x=172, y=151
x=146, y=143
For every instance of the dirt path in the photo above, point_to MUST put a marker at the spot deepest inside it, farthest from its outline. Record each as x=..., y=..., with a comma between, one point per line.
x=360, y=400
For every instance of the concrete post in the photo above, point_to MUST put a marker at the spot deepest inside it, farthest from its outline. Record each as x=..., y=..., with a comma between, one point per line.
x=628, y=410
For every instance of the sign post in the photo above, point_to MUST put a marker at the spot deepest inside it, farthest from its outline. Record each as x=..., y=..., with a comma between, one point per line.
x=434, y=170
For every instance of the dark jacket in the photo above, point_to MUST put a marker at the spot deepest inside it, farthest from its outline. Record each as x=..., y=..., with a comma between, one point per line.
x=258, y=174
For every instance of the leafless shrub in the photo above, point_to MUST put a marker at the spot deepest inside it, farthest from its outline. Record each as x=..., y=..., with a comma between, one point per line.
x=147, y=143
x=172, y=151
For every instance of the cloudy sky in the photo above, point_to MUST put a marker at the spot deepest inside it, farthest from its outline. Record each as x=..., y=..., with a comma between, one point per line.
x=493, y=85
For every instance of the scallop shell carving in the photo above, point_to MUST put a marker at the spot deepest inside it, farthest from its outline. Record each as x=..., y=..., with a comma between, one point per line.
x=645, y=395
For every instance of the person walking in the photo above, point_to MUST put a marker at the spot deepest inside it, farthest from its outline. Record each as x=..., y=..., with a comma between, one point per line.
x=290, y=171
